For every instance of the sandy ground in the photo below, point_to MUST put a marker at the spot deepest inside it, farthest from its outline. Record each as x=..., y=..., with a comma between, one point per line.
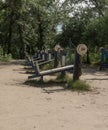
x=24, y=107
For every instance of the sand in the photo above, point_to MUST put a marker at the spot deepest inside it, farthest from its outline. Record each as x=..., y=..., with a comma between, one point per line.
x=24, y=107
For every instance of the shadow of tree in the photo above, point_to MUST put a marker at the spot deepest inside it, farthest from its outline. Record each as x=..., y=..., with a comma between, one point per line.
x=44, y=84
x=50, y=86
x=95, y=71
x=97, y=79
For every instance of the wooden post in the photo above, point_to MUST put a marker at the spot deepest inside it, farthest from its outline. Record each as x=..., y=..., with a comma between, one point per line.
x=55, y=59
x=88, y=57
x=77, y=67
x=35, y=55
x=49, y=54
x=43, y=55
x=63, y=61
x=70, y=51
x=41, y=78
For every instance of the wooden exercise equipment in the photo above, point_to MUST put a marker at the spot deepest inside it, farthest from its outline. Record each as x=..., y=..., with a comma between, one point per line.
x=81, y=50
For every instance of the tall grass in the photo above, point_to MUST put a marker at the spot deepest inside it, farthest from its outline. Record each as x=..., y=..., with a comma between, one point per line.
x=78, y=85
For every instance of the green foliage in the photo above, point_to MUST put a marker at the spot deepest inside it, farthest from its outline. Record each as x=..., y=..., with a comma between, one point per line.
x=50, y=65
x=92, y=33
x=61, y=78
x=1, y=51
x=70, y=57
x=4, y=57
x=95, y=58
x=27, y=25
x=85, y=24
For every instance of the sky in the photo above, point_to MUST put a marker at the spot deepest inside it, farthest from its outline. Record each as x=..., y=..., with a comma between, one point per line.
x=59, y=28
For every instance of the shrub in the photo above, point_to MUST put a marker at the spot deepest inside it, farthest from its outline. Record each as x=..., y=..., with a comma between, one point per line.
x=78, y=85
x=6, y=57
x=95, y=58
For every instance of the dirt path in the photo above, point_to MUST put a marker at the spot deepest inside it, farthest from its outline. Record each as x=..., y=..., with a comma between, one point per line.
x=35, y=108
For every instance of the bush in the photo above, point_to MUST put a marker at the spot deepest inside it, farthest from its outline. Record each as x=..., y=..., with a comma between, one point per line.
x=6, y=57
x=1, y=51
x=47, y=66
x=78, y=85
x=95, y=58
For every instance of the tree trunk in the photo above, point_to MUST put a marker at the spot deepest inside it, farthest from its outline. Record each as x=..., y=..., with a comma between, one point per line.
x=9, y=44
x=22, y=47
x=77, y=67
x=88, y=58
x=40, y=32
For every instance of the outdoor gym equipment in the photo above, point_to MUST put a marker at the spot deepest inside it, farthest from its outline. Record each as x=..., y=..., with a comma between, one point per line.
x=104, y=58
x=30, y=59
x=39, y=73
x=76, y=66
x=59, y=55
x=40, y=55
x=46, y=57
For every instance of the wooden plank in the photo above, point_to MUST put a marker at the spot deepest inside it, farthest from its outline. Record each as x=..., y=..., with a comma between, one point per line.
x=42, y=60
x=39, y=58
x=77, y=67
x=45, y=62
x=56, y=70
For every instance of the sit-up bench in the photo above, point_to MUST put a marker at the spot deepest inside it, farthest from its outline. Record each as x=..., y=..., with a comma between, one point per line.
x=39, y=73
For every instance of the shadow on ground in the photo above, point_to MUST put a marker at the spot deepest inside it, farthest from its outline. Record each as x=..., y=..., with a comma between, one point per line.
x=95, y=71
x=97, y=79
x=44, y=84
x=13, y=62
x=47, y=86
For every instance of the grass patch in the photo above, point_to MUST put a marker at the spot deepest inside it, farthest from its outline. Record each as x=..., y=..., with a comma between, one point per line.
x=61, y=77
x=78, y=85
x=5, y=58
x=47, y=66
